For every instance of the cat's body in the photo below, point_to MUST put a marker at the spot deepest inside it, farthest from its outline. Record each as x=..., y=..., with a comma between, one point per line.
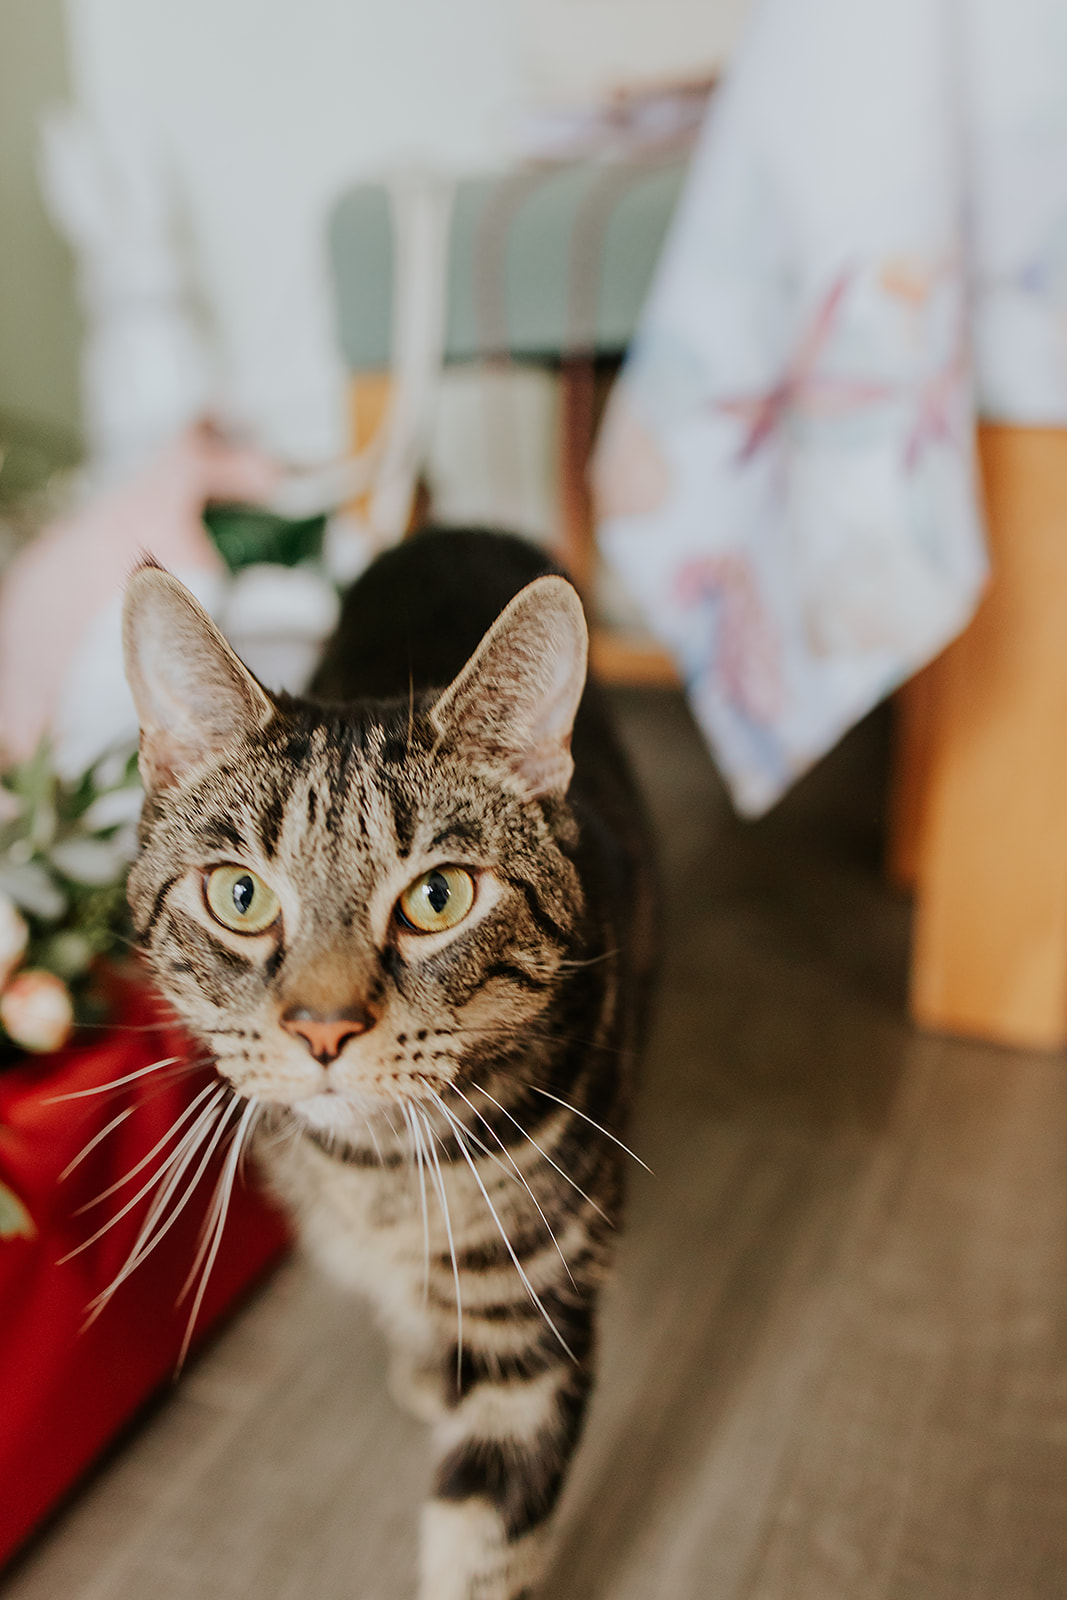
x=442, y=1014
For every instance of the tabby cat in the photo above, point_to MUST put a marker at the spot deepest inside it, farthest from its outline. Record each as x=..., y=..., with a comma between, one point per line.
x=410, y=920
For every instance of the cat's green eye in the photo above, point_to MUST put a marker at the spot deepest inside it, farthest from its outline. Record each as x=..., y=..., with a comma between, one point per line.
x=438, y=900
x=239, y=899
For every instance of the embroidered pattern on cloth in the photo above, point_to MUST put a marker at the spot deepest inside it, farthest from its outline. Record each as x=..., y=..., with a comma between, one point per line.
x=871, y=245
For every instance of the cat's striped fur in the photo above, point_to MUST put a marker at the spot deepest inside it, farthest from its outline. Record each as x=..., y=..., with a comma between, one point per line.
x=457, y=1159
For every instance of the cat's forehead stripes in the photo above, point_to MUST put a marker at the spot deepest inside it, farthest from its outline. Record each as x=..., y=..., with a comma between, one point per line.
x=373, y=786
x=405, y=814
x=463, y=832
x=309, y=778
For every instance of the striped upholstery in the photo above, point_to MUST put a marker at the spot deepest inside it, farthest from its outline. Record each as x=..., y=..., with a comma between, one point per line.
x=546, y=264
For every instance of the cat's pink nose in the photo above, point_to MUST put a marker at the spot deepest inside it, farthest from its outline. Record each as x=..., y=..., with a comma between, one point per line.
x=326, y=1036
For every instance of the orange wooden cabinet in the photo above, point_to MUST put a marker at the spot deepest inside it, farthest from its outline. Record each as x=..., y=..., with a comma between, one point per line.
x=980, y=799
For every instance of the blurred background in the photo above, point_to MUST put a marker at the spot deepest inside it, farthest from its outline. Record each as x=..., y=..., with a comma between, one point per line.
x=755, y=315
x=299, y=231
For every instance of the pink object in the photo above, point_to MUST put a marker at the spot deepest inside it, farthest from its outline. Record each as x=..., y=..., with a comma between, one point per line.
x=55, y=588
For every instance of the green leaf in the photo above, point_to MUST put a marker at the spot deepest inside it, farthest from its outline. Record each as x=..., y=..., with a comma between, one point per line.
x=68, y=954
x=65, y=848
x=15, y=1220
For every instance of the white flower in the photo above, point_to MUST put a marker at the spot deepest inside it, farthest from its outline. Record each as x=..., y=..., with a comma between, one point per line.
x=110, y=770
x=118, y=805
x=31, y=887
x=13, y=936
x=90, y=861
x=36, y=1011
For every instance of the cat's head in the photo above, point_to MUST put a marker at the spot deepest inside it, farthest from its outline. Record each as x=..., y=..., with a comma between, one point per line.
x=349, y=904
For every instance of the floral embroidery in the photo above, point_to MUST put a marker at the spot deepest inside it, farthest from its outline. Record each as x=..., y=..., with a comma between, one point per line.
x=802, y=388
x=742, y=649
x=941, y=406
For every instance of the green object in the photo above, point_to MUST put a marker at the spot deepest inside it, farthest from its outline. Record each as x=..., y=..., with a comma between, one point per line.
x=361, y=246
x=65, y=849
x=544, y=263
x=247, y=534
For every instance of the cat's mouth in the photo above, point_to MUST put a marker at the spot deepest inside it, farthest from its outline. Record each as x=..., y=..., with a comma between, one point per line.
x=330, y=1112
x=374, y=1095
x=351, y=1114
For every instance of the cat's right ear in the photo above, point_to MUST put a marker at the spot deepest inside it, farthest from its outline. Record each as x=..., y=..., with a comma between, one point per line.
x=193, y=696
x=517, y=697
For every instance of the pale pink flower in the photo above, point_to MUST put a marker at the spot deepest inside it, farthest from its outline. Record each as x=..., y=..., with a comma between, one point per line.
x=13, y=936
x=36, y=1010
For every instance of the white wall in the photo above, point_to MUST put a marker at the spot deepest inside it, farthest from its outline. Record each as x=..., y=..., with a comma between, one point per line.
x=218, y=132
x=575, y=48
x=223, y=129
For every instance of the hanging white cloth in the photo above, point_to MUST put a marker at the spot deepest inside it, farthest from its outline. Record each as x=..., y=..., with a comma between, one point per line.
x=873, y=241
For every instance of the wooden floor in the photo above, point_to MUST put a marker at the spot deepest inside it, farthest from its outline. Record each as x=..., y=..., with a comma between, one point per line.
x=835, y=1357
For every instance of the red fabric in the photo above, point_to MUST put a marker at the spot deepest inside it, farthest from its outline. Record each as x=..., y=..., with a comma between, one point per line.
x=63, y=1391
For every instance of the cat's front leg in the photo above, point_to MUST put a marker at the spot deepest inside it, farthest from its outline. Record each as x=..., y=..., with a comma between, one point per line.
x=504, y=1451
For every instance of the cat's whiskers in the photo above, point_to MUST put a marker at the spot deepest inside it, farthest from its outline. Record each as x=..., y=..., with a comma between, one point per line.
x=211, y=1126
x=252, y=1111
x=146, y=1188
x=453, y=1122
x=123, y=1027
x=116, y=1083
x=416, y=1147
x=120, y=1183
x=95, y=1140
x=212, y=1121
x=541, y=1152
x=527, y=1084
x=208, y=1222
x=368, y=1123
x=246, y=1147
x=521, y=1177
x=461, y=1135
x=593, y=1123
x=589, y=961
x=392, y=1124
x=442, y=1198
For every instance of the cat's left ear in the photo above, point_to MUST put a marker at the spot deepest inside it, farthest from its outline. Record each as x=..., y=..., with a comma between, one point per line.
x=516, y=698
x=194, y=698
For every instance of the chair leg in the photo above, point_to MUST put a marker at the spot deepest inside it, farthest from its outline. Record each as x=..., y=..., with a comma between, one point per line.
x=576, y=539
x=370, y=392
x=368, y=400
x=990, y=943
